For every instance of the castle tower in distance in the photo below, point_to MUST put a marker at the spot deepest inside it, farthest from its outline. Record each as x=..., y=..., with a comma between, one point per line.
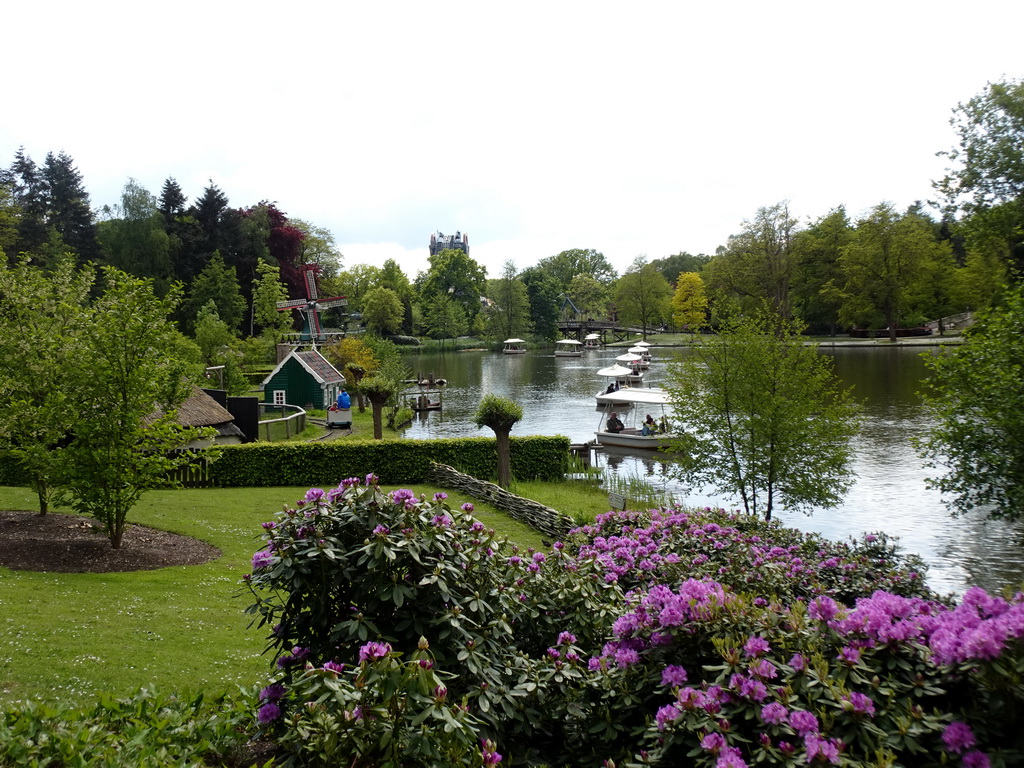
x=441, y=242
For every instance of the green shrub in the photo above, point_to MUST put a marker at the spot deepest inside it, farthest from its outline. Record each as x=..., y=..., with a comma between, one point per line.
x=147, y=729
x=394, y=461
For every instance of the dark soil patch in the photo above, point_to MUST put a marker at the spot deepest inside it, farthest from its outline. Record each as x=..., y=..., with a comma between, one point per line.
x=60, y=543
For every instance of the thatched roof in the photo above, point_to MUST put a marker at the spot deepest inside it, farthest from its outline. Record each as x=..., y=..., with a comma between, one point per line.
x=201, y=410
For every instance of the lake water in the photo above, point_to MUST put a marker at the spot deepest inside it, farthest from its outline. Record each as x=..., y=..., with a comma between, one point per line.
x=890, y=494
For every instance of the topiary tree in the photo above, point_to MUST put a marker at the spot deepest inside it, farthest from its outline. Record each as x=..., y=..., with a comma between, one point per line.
x=378, y=391
x=357, y=371
x=500, y=414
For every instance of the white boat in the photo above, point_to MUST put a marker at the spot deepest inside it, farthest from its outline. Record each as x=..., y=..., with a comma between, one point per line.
x=633, y=361
x=514, y=347
x=622, y=379
x=592, y=341
x=643, y=354
x=568, y=348
x=642, y=402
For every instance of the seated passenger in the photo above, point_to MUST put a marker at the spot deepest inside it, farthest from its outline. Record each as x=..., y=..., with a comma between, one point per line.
x=614, y=424
x=650, y=427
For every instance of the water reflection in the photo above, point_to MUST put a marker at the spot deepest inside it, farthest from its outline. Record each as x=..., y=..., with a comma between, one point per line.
x=890, y=494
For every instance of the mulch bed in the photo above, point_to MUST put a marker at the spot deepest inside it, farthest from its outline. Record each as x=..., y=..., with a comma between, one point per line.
x=61, y=543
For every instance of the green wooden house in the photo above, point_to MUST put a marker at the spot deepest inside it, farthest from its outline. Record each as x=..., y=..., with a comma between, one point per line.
x=304, y=378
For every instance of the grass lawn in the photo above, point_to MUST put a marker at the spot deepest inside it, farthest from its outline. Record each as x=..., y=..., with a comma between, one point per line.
x=69, y=637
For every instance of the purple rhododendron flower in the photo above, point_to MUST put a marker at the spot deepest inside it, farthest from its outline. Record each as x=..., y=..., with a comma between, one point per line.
x=262, y=559
x=381, y=530
x=440, y=496
x=566, y=638
x=666, y=715
x=730, y=757
x=823, y=608
x=374, y=650
x=976, y=759
x=827, y=749
x=756, y=646
x=272, y=692
x=712, y=742
x=803, y=722
x=268, y=713
x=774, y=713
x=958, y=737
x=673, y=675
x=313, y=495
x=859, y=703
x=372, y=479
x=467, y=507
x=332, y=666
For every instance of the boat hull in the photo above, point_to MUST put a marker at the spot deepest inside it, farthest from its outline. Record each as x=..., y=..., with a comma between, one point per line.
x=631, y=438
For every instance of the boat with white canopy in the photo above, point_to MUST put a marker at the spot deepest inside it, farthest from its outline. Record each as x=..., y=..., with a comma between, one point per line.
x=592, y=341
x=568, y=348
x=622, y=379
x=643, y=403
x=514, y=347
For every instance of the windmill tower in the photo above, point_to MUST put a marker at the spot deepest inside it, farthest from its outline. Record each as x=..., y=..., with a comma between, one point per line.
x=312, y=331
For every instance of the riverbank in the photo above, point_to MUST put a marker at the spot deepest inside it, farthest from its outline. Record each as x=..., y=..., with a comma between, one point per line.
x=688, y=340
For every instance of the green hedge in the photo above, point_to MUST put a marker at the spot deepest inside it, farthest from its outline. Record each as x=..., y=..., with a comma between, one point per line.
x=393, y=461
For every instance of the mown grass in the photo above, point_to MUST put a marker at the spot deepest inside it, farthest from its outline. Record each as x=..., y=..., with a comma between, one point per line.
x=70, y=637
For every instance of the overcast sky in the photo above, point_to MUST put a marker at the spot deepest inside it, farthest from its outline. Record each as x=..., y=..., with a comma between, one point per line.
x=644, y=128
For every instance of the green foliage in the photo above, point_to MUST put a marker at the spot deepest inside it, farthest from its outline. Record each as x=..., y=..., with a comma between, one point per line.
x=453, y=273
x=145, y=730
x=42, y=323
x=382, y=310
x=975, y=395
x=642, y=296
x=218, y=283
x=989, y=161
x=765, y=420
x=126, y=370
x=353, y=569
x=509, y=316
x=399, y=461
x=689, y=302
x=500, y=414
x=267, y=291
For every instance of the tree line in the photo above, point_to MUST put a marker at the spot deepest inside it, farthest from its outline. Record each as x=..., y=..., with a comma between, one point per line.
x=882, y=268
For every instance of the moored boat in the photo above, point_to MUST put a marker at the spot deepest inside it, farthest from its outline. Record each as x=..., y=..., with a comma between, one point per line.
x=592, y=341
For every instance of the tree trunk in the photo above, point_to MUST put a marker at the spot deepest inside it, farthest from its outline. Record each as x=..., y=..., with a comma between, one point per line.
x=504, y=459
x=378, y=421
x=43, y=495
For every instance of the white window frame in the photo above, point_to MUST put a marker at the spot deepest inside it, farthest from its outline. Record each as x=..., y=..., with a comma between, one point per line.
x=280, y=396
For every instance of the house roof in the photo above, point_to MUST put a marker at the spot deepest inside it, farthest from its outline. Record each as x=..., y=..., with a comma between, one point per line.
x=315, y=364
x=201, y=410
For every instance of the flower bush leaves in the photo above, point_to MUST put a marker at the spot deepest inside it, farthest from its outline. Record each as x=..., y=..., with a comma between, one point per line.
x=405, y=633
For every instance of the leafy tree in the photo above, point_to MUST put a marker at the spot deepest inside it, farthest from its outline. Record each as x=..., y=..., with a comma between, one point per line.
x=267, y=292
x=500, y=414
x=542, y=291
x=976, y=398
x=392, y=276
x=217, y=283
x=566, y=265
x=817, y=286
x=378, y=390
x=886, y=266
x=42, y=320
x=9, y=215
x=212, y=334
x=673, y=266
x=689, y=302
x=354, y=282
x=758, y=263
x=509, y=315
x=382, y=310
x=589, y=295
x=136, y=240
x=766, y=421
x=642, y=296
x=454, y=273
x=445, y=318
x=318, y=247
x=128, y=368
x=988, y=164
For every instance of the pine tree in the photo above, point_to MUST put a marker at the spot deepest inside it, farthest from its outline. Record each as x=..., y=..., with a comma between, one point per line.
x=68, y=206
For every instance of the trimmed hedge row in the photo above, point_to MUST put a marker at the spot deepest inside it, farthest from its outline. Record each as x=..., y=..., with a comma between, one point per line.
x=393, y=461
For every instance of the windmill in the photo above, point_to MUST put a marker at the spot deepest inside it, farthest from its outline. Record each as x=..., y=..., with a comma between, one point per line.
x=310, y=307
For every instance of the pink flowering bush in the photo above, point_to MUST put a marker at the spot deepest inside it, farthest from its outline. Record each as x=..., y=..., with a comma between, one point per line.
x=660, y=638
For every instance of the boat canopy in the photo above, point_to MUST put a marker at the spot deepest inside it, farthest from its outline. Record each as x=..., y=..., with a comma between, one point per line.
x=514, y=341
x=636, y=396
x=614, y=370
x=629, y=358
x=571, y=342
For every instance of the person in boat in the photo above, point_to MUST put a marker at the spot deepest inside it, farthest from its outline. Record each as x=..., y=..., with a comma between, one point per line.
x=614, y=423
x=611, y=388
x=650, y=428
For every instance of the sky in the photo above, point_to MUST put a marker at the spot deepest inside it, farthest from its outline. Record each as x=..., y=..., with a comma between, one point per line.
x=634, y=129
